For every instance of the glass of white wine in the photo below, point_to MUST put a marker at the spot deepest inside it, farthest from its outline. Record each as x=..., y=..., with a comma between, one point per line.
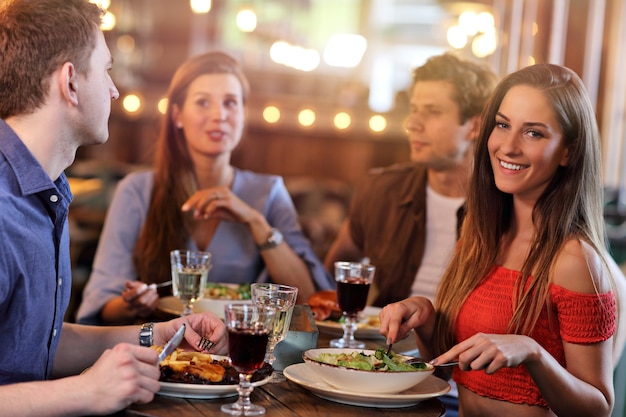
x=189, y=275
x=282, y=298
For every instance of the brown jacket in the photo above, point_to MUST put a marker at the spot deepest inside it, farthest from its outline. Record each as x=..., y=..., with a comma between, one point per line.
x=388, y=222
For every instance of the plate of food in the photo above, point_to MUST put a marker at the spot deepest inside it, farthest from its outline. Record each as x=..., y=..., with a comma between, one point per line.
x=328, y=317
x=203, y=376
x=216, y=296
x=300, y=373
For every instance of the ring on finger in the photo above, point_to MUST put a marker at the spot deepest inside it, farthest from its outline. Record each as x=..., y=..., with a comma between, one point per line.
x=205, y=344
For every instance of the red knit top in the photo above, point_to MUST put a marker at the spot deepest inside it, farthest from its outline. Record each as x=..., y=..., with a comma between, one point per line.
x=574, y=318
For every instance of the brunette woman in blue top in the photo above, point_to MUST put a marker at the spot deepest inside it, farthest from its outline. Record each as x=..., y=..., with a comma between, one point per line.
x=196, y=199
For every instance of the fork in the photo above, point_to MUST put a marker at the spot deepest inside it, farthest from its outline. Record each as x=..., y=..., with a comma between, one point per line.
x=154, y=286
x=420, y=360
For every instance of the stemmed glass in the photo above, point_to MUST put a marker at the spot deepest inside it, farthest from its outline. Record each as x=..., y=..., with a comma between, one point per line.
x=189, y=275
x=353, y=284
x=282, y=298
x=249, y=327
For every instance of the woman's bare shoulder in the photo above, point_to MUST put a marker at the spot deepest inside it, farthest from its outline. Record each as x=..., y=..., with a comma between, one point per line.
x=580, y=268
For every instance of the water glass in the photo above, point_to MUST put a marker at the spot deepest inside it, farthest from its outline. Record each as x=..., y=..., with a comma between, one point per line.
x=282, y=298
x=189, y=276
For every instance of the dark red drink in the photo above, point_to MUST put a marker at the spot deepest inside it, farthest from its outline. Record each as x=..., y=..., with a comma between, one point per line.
x=352, y=294
x=247, y=349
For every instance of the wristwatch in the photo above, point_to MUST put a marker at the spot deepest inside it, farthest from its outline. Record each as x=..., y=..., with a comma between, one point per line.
x=274, y=238
x=146, y=334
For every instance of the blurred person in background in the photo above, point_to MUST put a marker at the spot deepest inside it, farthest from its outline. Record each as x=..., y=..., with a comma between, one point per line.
x=55, y=96
x=405, y=218
x=195, y=199
x=529, y=303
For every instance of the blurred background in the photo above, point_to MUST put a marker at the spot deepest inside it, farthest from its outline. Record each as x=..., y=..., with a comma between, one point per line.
x=329, y=82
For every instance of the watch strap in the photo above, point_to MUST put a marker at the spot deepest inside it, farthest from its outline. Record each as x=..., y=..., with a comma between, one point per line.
x=274, y=238
x=146, y=334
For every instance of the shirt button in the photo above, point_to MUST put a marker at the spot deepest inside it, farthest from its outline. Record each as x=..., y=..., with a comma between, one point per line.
x=54, y=333
x=60, y=281
x=54, y=198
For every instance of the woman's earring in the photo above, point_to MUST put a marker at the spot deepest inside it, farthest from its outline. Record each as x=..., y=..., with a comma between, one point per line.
x=179, y=125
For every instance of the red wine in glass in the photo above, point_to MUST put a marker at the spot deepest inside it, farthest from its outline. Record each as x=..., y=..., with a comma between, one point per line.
x=249, y=328
x=352, y=294
x=353, y=283
x=247, y=349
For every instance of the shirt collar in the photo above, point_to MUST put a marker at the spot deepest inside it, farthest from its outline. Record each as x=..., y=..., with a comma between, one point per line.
x=29, y=174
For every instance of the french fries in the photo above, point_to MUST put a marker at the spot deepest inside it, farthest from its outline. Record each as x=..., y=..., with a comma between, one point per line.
x=183, y=357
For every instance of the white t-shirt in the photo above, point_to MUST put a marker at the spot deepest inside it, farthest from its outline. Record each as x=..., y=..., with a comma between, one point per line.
x=441, y=237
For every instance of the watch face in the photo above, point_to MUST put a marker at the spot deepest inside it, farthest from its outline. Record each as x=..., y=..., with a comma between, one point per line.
x=274, y=239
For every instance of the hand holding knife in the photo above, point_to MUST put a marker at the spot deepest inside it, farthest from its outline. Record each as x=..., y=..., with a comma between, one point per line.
x=172, y=344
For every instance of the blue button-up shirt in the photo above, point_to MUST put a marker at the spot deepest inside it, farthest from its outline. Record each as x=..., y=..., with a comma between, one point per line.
x=35, y=274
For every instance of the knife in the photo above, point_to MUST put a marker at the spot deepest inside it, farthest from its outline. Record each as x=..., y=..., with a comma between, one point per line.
x=172, y=344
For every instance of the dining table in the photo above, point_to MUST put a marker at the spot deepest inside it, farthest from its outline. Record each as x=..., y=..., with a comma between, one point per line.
x=288, y=398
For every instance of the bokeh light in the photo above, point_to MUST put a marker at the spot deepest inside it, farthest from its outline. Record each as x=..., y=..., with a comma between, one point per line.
x=377, y=123
x=271, y=114
x=246, y=20
x=200, y=6
x=342, y=120
x=306, y=117
x=132, y=103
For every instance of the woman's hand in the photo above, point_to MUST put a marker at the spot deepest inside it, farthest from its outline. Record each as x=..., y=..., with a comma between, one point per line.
x=221, y=203
x=397, y=319
x=283, y=264
x=142, y=300
x=206, y=325
x=492, y=352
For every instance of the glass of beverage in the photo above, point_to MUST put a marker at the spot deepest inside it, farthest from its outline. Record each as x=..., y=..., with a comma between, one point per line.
x=353, y=284
x=281, y=298
x=249, y=327
x=189, y=274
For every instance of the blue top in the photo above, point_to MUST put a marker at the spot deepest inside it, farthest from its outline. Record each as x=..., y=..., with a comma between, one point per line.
x=35, y=274
x=235, y=257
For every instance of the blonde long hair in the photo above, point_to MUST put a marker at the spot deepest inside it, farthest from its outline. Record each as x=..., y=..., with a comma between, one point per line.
x=570, y=206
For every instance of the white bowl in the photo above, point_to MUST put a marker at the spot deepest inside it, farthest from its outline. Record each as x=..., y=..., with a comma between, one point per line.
x=357, y=380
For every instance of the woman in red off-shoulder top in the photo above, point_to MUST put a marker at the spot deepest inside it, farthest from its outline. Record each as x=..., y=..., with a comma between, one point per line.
x=528, y=305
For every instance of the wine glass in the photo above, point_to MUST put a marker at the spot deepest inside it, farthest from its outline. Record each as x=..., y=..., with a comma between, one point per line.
x=189, y=275
x=353, y=284
x=249, y=327
x=282, y=298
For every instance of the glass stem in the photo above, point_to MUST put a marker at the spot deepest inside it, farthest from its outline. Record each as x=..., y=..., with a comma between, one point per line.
x=349, y=327
x=269, y=355
x=244, y=389
x=187, y=309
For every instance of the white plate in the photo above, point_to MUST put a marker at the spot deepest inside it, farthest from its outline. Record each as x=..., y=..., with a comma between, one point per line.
x=431, y=387
x=174, y=389
x=173, y=305
x=365, y=330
